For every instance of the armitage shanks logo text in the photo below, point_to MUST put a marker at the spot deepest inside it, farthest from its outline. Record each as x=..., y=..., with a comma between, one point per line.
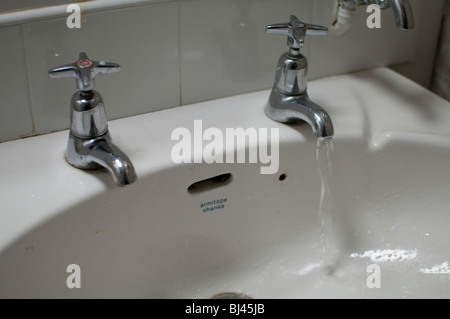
x=215, y=146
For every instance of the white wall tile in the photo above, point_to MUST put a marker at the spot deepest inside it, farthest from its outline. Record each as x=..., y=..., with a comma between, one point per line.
x=421, y=68
x=361, y=48
x=15, y=112
x=143, y=40
x=224, y=48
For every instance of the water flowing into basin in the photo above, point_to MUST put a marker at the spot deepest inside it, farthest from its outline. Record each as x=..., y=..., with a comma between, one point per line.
x=324, y=151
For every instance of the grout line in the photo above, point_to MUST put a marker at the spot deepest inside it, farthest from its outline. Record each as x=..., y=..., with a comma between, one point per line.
x=179, y=55
x=28, y=82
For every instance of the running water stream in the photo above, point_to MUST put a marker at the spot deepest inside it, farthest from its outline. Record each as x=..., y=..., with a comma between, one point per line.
x=323, y=158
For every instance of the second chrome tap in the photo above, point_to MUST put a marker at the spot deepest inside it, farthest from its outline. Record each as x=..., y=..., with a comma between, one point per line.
x=289, y=101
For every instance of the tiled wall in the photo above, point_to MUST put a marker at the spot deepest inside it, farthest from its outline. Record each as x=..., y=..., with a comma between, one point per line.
x=174, y=53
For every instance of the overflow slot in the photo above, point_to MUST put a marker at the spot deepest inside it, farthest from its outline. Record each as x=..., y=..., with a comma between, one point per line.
x=210, y=183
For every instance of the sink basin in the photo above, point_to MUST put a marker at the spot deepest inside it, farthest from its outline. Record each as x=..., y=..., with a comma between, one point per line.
x=265, y=235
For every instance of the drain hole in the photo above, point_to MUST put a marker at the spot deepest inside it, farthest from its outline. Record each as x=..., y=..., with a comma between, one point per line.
x=210, y=183
x=230, y=295
x=282, y=177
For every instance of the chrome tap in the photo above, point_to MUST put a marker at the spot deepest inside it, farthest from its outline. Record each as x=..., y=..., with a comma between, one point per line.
x=90, y=145
x=289, y=101
x=404, y=17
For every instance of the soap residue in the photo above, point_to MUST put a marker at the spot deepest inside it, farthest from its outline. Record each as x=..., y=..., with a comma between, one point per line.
x=443, y=268
x=309, y=268
x=387, y=255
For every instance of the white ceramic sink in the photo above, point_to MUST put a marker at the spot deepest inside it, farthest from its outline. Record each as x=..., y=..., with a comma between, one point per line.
x=389, y=197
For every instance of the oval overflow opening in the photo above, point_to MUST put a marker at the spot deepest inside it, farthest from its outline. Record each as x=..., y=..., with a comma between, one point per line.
x=210, y=183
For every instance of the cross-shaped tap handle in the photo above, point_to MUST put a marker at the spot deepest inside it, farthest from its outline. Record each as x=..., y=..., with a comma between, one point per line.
x=84, y=70
x=296, y=31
